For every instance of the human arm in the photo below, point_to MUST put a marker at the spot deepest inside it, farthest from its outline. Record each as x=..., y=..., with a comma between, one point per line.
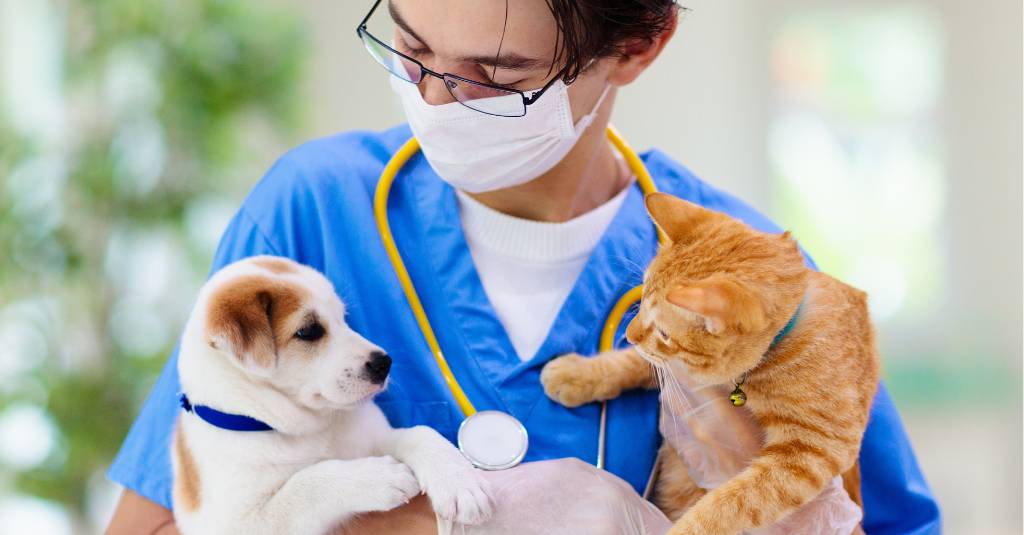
x=897, y=499
x=414, y=518
x=137, y=515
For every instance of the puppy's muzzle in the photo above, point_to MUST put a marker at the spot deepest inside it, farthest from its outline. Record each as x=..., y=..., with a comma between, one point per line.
x=377, y=367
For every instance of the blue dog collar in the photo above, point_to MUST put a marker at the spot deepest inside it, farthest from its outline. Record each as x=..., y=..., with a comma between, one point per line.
x=223, y=420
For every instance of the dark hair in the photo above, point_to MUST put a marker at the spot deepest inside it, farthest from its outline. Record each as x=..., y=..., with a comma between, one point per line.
x=589, y=29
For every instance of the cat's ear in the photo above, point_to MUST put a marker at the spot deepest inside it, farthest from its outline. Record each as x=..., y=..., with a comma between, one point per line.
x=722, y=302
x=787, y=237
x=675, y=217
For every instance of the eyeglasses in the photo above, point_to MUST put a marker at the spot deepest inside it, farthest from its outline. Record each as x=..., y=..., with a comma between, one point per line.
x=483, y=97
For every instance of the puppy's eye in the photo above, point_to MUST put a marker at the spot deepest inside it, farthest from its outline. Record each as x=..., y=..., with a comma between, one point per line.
x=310, y=333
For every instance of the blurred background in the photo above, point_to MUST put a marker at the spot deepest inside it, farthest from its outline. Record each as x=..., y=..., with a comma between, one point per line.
x=886, y=135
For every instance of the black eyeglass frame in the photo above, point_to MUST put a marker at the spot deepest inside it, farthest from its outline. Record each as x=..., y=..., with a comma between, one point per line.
x=527, y=100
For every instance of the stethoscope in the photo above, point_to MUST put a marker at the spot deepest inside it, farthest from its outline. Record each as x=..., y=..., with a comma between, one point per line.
x=495, y=440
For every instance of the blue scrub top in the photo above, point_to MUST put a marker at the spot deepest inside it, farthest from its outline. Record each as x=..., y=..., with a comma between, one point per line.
x=315, y=205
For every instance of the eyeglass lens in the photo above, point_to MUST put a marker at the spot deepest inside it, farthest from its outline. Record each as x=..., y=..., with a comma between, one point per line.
x=473, y=95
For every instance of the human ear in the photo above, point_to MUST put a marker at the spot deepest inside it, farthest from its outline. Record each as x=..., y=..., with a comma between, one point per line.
x=638, y=54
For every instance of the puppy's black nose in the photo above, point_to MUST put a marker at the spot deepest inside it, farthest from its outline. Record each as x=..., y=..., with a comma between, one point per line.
x=377, y=367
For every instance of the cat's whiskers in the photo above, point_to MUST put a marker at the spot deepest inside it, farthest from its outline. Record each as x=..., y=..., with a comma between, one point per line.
x=631, y=267
x=667, y=401
x=673, y=397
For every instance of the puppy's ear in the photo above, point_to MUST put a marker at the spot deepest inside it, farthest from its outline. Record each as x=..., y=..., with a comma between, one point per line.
x=241, y=318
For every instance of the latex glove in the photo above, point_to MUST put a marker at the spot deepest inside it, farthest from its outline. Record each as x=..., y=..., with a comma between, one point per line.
x=561, y=497
x=718, y=440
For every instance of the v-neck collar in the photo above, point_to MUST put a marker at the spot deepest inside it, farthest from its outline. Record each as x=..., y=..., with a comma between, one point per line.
x=615, y=265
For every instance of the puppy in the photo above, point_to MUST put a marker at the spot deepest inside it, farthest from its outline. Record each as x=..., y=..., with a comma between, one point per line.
x=278, y=433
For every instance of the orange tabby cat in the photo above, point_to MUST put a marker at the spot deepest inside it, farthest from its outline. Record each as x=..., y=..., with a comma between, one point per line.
x=715, y=297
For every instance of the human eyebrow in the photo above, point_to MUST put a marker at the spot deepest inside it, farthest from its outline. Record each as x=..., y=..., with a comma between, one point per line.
x=512, y=62
x=401, y=23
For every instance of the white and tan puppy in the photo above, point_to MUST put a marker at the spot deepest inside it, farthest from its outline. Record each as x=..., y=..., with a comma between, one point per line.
x=267, y=344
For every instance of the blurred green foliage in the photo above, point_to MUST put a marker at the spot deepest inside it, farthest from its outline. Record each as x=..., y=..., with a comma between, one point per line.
x=156, y=96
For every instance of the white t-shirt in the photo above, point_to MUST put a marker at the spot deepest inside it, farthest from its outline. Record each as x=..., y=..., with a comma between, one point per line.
x=529, y=267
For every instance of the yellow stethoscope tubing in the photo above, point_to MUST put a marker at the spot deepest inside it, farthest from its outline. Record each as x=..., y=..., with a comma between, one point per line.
x=380, y=212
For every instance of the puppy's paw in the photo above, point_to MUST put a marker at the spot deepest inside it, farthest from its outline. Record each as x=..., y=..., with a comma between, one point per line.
x=457, y=491
x=571, y=380
x=381, y=483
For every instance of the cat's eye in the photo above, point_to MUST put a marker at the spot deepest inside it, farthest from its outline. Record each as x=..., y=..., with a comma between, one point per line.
x=310, y=333
x=662, y=334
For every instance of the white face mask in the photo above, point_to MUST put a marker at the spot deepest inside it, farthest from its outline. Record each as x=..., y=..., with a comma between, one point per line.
x=476, y=152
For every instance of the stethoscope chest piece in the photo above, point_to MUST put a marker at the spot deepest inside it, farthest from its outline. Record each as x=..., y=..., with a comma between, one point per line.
x=493, y=440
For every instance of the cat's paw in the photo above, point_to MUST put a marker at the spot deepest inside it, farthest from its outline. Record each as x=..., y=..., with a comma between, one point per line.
x=457, y=491
x=571, y=380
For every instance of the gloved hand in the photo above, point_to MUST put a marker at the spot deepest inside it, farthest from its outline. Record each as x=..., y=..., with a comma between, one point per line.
x=717, y=440
x=562, y=497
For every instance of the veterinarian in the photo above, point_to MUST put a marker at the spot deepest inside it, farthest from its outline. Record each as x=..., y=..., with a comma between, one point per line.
x=521, y=227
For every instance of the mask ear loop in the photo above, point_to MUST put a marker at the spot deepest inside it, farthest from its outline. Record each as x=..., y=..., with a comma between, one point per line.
x=585, y=121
